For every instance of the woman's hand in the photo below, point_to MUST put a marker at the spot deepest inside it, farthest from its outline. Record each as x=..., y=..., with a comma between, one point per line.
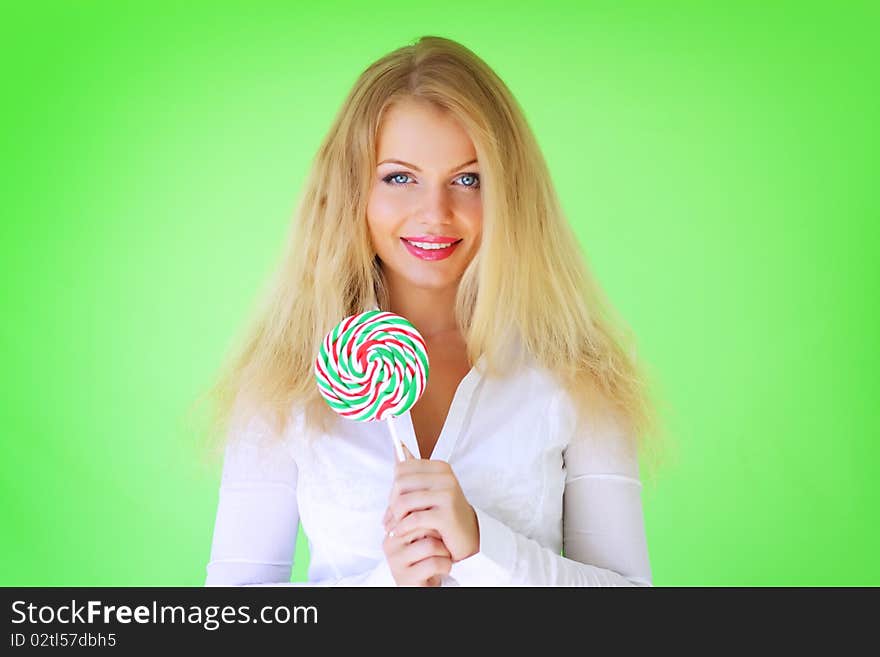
x=426, y=497
x=417, y=558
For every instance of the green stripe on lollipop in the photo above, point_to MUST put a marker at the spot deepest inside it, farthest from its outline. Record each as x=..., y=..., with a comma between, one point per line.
x=377, y=351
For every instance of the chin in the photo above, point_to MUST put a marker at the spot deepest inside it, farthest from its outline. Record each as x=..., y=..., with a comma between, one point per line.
x=430, y=284
x=421, y=277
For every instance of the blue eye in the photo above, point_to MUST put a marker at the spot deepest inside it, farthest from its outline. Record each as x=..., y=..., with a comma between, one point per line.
x=392, y=176
x=476, y=178
x=392, y=179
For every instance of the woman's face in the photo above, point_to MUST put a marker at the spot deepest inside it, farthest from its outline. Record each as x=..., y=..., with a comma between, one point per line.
x=430, y=195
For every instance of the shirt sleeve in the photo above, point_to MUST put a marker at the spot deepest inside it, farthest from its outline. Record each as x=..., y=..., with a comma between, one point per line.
x=379, y=575
x=257, y=519
x=604, y=539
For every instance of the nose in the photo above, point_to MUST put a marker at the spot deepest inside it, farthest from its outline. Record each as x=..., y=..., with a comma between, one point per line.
x=436, y=205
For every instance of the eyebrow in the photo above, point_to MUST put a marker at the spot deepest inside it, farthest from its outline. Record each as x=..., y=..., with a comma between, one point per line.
x=413, y=166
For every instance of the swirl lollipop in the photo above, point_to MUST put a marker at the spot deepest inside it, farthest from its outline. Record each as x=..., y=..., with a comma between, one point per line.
x=372, y=366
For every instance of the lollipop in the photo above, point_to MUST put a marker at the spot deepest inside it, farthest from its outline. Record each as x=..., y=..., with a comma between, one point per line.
x=372, y=366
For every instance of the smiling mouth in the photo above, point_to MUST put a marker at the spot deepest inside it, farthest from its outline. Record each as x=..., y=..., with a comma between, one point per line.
x=430, y=246
x=430, y=252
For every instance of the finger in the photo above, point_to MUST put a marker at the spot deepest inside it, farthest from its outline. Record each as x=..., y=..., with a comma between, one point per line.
x=394, y=543
x=423, y=549
x=407, y=453
x=418, y=520
x=419, y=534
x=408, y=482
x=395, y=540
x=421, y=465
x=427, y=568
x=420, y=500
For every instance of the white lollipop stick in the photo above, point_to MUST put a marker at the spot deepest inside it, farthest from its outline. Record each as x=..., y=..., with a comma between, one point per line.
x=397, y=445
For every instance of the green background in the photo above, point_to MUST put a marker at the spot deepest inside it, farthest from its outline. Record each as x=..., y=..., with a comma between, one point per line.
x=718, y=163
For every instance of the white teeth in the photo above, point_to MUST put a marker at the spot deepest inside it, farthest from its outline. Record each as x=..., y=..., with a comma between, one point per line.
x=429, y=246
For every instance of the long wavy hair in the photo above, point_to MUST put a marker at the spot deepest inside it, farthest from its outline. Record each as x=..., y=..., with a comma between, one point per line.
x=529, y=277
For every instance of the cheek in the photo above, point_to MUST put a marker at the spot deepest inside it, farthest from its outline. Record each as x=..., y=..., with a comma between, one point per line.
x=384, y=212
x=472, y=210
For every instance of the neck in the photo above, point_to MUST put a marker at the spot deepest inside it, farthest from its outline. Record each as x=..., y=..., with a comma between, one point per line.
x=431, y=311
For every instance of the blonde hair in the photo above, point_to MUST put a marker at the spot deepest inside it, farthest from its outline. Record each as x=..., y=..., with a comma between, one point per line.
x=529, y=277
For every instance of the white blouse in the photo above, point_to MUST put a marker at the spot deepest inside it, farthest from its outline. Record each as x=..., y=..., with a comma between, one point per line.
x=536, y=490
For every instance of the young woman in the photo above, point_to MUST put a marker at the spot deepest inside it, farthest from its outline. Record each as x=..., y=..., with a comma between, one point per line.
x=429, y=198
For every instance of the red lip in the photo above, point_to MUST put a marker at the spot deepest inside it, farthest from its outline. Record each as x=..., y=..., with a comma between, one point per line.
x=431, y=239
x=432, y=254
